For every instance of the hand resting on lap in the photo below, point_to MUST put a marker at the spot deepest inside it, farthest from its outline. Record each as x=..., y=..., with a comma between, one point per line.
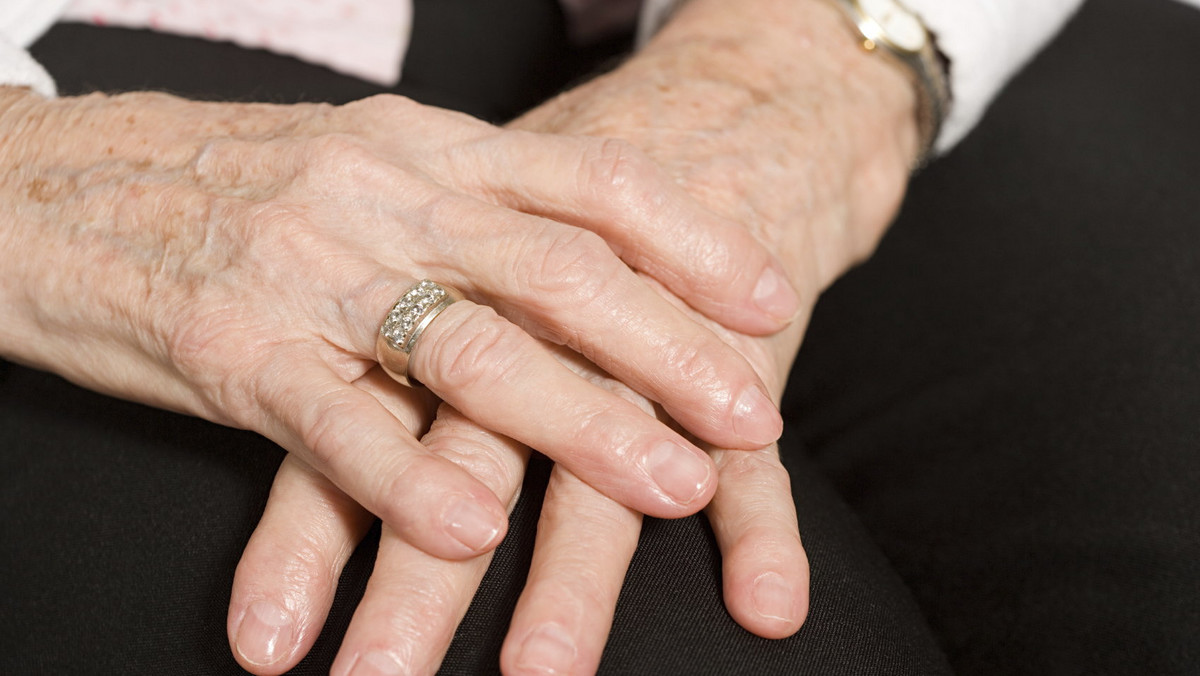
x=235, y=262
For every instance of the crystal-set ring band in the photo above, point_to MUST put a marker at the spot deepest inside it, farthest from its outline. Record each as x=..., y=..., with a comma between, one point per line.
x=405, y=323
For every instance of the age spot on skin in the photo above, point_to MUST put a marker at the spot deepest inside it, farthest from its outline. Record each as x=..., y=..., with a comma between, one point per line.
x=43, y=191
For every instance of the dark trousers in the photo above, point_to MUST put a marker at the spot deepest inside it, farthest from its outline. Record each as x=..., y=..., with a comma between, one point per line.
x=994, y=425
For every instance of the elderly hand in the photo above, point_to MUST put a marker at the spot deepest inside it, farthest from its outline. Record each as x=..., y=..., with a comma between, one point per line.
x=770, y=113
x=767, y=113
x=235, y=262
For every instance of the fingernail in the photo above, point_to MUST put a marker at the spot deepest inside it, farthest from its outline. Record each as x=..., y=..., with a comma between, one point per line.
x=376, y=664
x=471, y=524
x=265, y=635
x=679, y=472
x=773, y=597
x=755, y=417
x=774, y=295
x=549, y=650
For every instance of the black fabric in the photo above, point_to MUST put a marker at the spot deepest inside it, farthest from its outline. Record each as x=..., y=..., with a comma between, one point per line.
x=1002, y=401
x=1008, y=394
x=492, y=60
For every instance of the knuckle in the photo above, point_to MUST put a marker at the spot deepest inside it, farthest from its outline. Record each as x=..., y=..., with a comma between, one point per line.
x=754, y=470
x=307, y=567
x=478, y=348
x=717, y=263
x=335, y=154
x=729, y=253
x=344, y=169
x=571, y=266
x=585, y=589
x=696, y=362
x=202, y=350
x=480, y=459
x=220, y=161
x=395, y=499
x=440, y=220
x=381, y=105
x=608, y=427
x=616, y=171
x=326, y=429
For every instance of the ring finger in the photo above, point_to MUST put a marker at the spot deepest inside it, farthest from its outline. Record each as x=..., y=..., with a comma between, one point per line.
x=566, y=285
x=501, y=378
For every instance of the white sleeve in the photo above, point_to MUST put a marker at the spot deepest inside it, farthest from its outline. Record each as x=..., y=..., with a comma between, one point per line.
x=21, y=22
x=985, y=41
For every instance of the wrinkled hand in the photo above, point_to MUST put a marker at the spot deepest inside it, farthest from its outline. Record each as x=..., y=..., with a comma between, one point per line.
x=792, y=132
x=234, y=262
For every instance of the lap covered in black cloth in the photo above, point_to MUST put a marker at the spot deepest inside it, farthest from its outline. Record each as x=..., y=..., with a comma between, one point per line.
x=1008, y=394
x=996, y=415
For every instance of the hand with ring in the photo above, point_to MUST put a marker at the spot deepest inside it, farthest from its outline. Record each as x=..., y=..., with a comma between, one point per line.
x=236, y=262
x=839, y=153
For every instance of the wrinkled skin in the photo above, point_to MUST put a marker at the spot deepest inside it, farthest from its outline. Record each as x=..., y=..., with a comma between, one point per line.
x=234, y=262
x=766, y=112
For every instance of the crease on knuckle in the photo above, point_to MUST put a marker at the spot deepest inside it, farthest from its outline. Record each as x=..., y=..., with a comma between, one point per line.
x=219, y=161
x=693, y=362
x=327, y=429
x=307, y=572
x=482, y=350
x=753, y=472
x=726, y=260
x=193, y=354
x=431, y=596
x=617, y=175
x=584, y=590
x=482, y=461
x=573, y=268
x=603, y=427
x=755, y=504
x=340, y=163
x=395, y=499
x=440, y=220
x=588, y=514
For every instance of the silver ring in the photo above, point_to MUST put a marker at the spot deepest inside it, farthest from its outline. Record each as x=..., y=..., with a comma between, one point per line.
x=405, y=323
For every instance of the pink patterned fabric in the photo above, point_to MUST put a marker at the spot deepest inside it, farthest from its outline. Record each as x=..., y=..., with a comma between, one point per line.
x=364, y=38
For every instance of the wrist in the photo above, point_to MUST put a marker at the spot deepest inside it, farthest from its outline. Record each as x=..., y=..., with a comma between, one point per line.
x=22, y=195
x=794, y=74
x=789, y=52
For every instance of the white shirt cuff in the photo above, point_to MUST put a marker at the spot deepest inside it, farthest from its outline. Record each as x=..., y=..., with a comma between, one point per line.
x=986, y=43
x=22, y=22
x=18, y=69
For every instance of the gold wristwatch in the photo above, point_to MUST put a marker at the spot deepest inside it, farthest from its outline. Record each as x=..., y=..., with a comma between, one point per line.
x=888, y=28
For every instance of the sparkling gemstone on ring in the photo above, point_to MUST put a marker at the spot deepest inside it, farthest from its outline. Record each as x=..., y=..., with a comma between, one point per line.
x=407, y=313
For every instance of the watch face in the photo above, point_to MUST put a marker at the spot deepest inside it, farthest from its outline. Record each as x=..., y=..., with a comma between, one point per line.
x=897, y=25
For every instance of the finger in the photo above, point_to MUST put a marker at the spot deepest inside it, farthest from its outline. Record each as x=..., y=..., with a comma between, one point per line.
x=558, y=282
x=505, y=381
x=286, y=579
x=584, y=545
x=349, y=436
x=414, y=602
x=765, y=569
x=564, y=284
x=610, y=187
